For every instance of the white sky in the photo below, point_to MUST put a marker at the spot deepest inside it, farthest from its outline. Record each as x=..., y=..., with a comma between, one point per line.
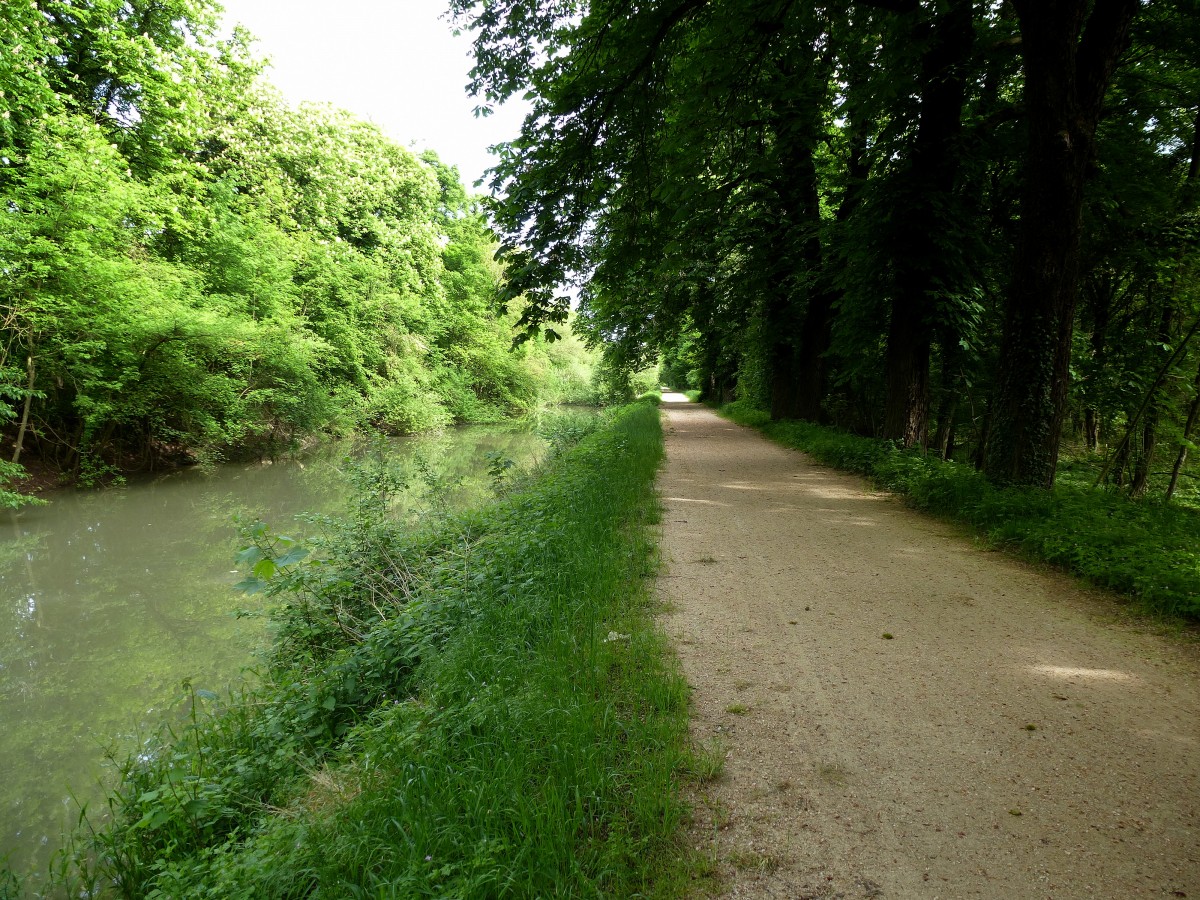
x=393, y=62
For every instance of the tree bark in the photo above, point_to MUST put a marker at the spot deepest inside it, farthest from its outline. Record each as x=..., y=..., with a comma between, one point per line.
x=1098, y=296
x=931, y=180
x=816, y=325
x=1066, y=76
x=1091, y=428
x=781, y=360
x=906, y=409
x=816, y=328
x=803, y=310
x=1145, y=456
x=19, y=445
x=1193, y=175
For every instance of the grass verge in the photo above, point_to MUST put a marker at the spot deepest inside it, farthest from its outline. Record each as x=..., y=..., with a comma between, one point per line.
x=499, y=717
x=1146, y=550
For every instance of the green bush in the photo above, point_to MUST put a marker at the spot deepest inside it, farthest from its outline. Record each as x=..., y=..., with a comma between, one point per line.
x=745, y=413
x=565, y=368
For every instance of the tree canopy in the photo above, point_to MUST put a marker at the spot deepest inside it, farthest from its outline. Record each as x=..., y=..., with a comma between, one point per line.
x=961, y=225
x=191, y=268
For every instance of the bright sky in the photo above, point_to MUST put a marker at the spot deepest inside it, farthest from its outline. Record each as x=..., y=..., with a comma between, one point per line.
x=393, y=62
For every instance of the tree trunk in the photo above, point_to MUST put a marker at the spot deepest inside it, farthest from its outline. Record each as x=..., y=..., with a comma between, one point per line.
x=19, y=445
x=783, y=379
x=1193, y=174
x=1141, y=468
x=816, y=334
x=1098, y=294
x=802, y=324
x=1119, y=465
x=816, y=329
x=980, y=453
x=1141, y=471
x=943, y=439
x=1066, y=76
x=906, y=409
x=948, y=406
x=1181, y=457
x=931, y=180
x=816, y=325
x=1091, y=428
x=73, y=458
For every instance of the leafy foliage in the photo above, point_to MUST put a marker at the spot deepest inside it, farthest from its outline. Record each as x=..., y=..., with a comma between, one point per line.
x=192, y=269
x=966, y=227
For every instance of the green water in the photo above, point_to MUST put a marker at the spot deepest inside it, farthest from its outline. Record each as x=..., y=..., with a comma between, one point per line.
x=110, y=599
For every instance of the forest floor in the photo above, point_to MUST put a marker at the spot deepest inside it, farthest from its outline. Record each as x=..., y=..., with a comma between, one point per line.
x=903, y=712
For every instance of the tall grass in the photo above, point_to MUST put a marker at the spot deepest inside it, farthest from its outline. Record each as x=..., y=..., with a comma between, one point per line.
x=508, y=724
x=1144, y=549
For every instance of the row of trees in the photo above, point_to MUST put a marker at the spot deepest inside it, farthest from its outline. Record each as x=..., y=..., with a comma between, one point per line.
x=958, y=224
x=188, y=266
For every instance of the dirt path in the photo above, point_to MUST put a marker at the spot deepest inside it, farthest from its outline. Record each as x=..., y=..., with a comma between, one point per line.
x=905, y=714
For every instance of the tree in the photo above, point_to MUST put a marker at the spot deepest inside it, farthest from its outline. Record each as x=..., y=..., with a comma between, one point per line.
x=923, y=280
x=191, y=268
x=862, y=212
x=1069, y=50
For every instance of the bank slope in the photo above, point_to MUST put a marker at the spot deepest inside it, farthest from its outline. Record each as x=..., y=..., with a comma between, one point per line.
x=510, y=725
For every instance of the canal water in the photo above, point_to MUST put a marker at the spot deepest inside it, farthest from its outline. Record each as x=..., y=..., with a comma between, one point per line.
x=110, y=599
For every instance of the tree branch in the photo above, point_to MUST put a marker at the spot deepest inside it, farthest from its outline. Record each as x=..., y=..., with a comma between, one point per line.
x=1105, y=38
x=896, y=6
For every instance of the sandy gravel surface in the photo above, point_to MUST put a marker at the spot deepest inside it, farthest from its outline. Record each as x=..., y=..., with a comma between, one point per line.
x=1008, y=740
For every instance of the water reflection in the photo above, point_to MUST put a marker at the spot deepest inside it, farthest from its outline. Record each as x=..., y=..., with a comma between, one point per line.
x=108, y=600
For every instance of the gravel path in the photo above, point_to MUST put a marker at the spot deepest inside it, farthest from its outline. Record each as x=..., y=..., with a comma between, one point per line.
x=905, y=714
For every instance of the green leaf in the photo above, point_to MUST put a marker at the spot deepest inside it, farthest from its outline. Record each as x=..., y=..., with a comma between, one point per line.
x=249, y=556
x=250, y=585
x=195, y=807
x=291, y=557
x=154, y=818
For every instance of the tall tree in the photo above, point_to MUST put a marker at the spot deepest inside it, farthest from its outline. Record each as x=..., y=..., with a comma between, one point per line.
x=928, y=226
x=1070, y=49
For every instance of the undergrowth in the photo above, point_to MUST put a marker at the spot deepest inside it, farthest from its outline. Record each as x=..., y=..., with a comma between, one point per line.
x=481, y=709
x=1147, y=550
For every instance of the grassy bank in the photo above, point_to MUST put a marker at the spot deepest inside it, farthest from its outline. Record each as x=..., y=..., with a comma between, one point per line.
x=1146, y=550
x=481, y=709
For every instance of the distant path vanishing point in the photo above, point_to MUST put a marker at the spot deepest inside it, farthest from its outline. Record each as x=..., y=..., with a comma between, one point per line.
x=904, y=713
